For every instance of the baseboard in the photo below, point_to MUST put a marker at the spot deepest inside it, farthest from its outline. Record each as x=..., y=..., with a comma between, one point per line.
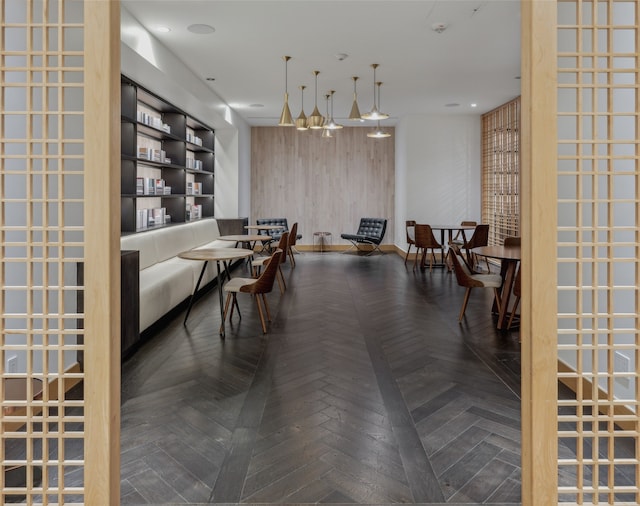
x=587, y=393
x=71, y=377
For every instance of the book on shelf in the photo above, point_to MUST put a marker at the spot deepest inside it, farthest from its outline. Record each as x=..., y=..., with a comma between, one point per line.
x=149, y=186
x=142, y=218
x=158, y=216
x=167, y=190
x=189, y=187
x=159, y=189
x=139, y=186
x=197, y=188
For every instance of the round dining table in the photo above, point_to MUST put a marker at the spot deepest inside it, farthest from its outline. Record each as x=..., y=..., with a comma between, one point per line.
x=216, y=255
x=252, y=239
x=509, y=257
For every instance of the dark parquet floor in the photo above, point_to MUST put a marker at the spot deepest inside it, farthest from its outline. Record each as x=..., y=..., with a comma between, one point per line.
x=366, y=390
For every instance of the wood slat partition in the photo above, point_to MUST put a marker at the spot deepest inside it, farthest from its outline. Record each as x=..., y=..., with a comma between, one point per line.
x=501, y=171
x=598, y=235
x=323, y=184
x=58, y=138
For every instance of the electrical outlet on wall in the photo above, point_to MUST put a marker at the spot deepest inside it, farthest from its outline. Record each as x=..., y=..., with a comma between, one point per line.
x=12, y=364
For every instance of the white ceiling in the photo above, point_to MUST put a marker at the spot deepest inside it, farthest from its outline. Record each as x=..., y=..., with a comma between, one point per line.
x=475, y=60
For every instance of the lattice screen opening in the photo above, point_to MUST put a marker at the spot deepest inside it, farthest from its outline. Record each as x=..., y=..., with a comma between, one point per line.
x=41, y=222
x=501, y=171
x=598, y=251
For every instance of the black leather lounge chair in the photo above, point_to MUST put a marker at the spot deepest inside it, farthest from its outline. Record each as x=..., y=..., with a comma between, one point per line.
x=371, y=231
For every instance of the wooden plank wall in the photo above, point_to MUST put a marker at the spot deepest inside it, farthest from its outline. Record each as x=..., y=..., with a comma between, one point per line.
x=323, y=184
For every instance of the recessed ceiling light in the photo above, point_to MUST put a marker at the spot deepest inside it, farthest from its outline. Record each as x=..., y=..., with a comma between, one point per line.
x=210, y=78
x=256, y=105
x=474, y=105
x=163, y=29
x=453, y=104
x=201, y=29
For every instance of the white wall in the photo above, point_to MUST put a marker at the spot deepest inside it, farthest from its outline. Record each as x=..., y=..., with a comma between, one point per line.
x=437, y=171
x=147, y=62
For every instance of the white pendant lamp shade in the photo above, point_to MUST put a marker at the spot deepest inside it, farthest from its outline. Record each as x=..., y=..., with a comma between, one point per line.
x=285, y=117
x=355, y=115
x=375, y=113
x=301, y=120
x=315, y=120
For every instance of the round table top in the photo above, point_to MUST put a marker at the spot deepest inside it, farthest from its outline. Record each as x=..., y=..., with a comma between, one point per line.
x=264, y=227
x=322, y=233
x=207, y=254
x=499, y=252
x=245, y=237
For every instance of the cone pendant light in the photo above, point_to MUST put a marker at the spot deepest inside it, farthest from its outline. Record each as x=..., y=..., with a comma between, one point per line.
x=326, y=132
x=355, y=115
x=375, y=114
x=378, y=133
x=315, y=120
x=301, y=120
x=331, y=124
x=285, y=117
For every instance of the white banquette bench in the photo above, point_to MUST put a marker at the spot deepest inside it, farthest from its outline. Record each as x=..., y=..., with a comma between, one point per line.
x=165, y=279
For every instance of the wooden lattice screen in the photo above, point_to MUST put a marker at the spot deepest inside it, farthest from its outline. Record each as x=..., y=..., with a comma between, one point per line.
x=598, y=251
x=501, y=171
x=57, y=447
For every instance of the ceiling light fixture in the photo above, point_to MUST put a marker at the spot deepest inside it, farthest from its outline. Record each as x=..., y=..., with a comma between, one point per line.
x=201, y=29
x=355, y=115
x=301, y=120
x=285, y=117
x=163, y=29
x=375, y=114
x=326, y=132
x=378, y=133
x=331, y=124
x=316, y=120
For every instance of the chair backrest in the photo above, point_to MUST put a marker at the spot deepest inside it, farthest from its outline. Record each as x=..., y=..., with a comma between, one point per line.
x=283, y=245
x=276, y=232
x=373, y=229
x=480, y=237
x=463, y=274
x=464, y=224
x=510, y=242
x=293, y=235
x=407, y=225
x=264, y=283
x=424, y=237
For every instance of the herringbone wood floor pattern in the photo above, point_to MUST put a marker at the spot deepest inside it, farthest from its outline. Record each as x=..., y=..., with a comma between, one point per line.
x=366, y=390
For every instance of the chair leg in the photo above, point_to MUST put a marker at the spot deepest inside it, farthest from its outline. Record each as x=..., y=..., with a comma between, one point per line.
x=292, y=259
x=264, y=325
x=281, y=282
x=266, y=306
x=407, y=255
x=513, y=312
x=226, y=307
x=464, y=304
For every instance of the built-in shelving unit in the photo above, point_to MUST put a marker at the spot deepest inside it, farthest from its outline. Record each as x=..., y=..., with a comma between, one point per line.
x=167, y=163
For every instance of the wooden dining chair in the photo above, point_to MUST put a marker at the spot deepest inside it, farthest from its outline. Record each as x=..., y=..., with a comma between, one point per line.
x=257, y=287
x=291, y=247
x=511, y=242
x=410, y=240
x=258, y=263
x=424, y=241
x=516, y=292
x=460, y=238
x=479, y=238
x=469, y=280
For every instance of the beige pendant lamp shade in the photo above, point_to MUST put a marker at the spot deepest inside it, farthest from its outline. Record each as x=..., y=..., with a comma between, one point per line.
x=315, y=120
x=331, y=124
x=326, y=132
x=378, y=133
x=301, y=120
x=355, y=115
x=285, y=117
x=375, y=114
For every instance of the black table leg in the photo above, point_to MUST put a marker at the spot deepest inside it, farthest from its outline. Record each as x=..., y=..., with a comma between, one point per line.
x=193, y=295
